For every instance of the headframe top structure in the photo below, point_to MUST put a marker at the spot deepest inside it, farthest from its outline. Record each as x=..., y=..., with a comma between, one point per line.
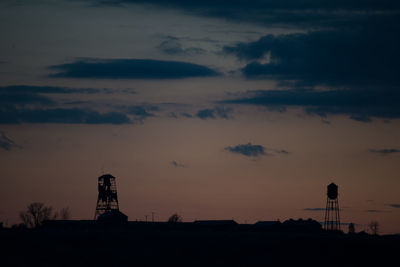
x=107, y=199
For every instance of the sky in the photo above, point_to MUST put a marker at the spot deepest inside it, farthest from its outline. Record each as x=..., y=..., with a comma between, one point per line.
x=241, y=110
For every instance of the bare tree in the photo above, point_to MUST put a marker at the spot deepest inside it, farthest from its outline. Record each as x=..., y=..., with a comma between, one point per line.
x=374, y=227
x=64, y=213
x=352, y=228
x=35, y=214
x=175, y=218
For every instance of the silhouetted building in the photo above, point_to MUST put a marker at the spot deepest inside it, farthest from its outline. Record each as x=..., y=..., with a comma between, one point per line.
x=215, y=223
x=301, y=225
x=70, y=224
x=332, y=217
x=267, y=223
x=113, y=216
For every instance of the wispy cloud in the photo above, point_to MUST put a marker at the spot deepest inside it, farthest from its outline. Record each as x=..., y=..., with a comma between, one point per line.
x=172, y=45
x=6, y=142
x=314, y=209
x=248, y=150
x=397, y=206
x=172, y=115
x=34, y=89
x=217, y=112
x=141, y=112
x=178, y=164
x=280, y=151
x=375, y=211
x=385, y=151
x=186, y=115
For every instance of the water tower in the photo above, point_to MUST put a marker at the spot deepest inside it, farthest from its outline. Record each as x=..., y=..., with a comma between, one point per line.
x=332, y=217
x=107, y=201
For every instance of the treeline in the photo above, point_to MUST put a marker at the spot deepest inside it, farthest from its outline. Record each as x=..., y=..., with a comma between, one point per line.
x=37, y=212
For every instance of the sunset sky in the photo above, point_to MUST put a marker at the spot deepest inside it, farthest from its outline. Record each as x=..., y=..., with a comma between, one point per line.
x=213, y=109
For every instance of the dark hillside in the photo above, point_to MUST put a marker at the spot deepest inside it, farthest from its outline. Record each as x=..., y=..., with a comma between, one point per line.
x=169, y=246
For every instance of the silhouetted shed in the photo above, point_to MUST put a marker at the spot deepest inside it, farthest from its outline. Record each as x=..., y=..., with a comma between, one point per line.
x=113, y=216
x=219, y=223
x=301, y=225
x=267, y=223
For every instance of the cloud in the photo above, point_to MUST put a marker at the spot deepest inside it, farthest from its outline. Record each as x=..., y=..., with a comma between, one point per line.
x=173, y=46
x=142, y=112
x=33, y=89
x=350, y=69
x=187, y=115
x=251, y=150
x=6, y=143
x=397, y=206
x=138, y=113
x=24, y=99
x=375, y=211
x=281, y=151
x=131, y=69
x=315, y=209
x=223, y=112
x=329, y=57
x=178, y=164
x=386, y=151
x=32, y=95
x=108, y=3
x=172, y=115
x=248, y=150
x=61, y=115
x=358, y=105
x=206, y=114
x=27, y=104
x=128, y=91
x=217, y=112
x=294, y=13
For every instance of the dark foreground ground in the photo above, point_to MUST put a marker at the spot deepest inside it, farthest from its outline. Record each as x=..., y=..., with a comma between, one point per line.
x=143, y=246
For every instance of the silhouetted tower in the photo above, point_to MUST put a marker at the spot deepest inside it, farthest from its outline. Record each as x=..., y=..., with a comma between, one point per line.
x=332, y=218
x=107, y=199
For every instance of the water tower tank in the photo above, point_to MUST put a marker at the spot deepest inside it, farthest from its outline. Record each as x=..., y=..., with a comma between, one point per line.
x=332, y=191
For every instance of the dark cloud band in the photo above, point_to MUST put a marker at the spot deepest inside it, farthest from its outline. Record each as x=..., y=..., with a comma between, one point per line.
x=295, y=13
x=33, y=89
x=357, y=104
x=353, y=57
x=131, y=69
x=61, y=115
